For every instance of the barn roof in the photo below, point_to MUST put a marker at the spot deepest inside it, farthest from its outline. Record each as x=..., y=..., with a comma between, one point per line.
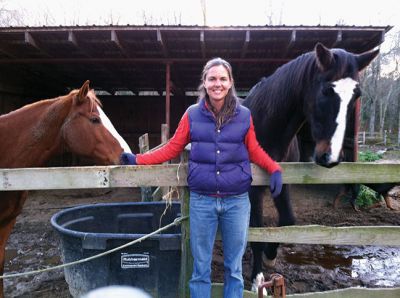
x=135, y=58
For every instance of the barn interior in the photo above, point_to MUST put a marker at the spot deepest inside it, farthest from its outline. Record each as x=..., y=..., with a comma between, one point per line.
x=148, y=75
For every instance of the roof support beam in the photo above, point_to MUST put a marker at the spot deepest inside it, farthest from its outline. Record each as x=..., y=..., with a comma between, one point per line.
x=115, y=40
x=202, y=44
x=338, y=40
x=162, y=44
x=28, y=39
x=126, y=81
x=75, y=43
x=243, y=53
x=291, y=43
x=72, y=39
x=245, y=44
x=168, y=96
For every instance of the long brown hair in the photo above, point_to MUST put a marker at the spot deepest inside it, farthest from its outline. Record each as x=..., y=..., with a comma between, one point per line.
x=231, y=100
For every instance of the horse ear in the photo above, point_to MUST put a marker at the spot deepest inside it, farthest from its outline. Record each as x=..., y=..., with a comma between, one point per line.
x=364, y=59
x=83, y=91
x=324, y=56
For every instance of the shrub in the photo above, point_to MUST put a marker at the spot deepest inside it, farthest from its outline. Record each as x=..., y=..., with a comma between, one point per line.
x=367, y=197
x=368, y=156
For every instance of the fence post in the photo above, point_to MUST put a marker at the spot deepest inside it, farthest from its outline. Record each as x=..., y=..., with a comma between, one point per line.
x=363, y=138
x=385, y=137
x=144, y=146
x=186, y=256
x=398, y=136
x=159, y=192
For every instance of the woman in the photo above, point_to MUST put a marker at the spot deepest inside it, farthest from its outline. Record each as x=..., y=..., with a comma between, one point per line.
x=223, y=143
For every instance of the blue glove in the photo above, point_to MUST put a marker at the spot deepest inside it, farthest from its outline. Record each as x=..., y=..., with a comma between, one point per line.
x=275, y=183
x=128, y=158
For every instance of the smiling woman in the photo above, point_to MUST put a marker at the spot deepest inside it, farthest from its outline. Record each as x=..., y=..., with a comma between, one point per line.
x=223, y=142
x=217, y=85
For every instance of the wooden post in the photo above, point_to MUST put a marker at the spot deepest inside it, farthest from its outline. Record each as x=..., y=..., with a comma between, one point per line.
x=385, y=137
x=398, y=135
x=144, y=146
x=356, y=128
x=144, y=143
x=186, y=256
x=159, y=192
x=167, y=95
x=164, y=133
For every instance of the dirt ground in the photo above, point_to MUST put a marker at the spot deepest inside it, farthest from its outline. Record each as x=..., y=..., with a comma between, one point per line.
x=306, y=268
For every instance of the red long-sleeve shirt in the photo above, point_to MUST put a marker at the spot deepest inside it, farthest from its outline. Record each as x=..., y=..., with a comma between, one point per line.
x=181, y=138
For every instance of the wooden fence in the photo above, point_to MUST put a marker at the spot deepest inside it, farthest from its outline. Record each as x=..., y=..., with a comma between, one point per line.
x=376, y=138
x=175, y=175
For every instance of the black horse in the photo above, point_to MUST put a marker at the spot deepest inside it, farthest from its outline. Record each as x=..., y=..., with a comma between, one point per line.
x=317, y=90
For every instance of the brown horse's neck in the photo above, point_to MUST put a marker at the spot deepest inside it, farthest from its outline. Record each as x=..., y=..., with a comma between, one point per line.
x=32, y=134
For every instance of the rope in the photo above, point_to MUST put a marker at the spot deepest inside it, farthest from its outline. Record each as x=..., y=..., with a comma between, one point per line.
x=169, y=195
x=175, y=222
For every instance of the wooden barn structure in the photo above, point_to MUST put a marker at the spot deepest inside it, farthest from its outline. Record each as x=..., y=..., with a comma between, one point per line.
x=148, y=75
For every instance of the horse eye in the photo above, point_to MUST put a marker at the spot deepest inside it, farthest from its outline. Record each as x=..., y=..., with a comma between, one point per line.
x=95, y=120
x=357, y=92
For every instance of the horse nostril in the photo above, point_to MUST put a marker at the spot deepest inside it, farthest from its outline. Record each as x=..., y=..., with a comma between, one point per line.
x=323, y=159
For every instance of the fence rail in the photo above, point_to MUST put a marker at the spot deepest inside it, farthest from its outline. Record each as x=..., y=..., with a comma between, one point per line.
x=176, y=174
x=385, y=138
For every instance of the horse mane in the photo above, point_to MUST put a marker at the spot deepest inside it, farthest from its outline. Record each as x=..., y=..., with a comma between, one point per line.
x=285, y=83
x=91, y=95
x=45, y=102
x=44, y=113
x=291, y=79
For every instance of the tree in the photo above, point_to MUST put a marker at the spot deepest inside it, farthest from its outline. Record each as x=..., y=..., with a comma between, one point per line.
x=9, y=17
x=380, y=86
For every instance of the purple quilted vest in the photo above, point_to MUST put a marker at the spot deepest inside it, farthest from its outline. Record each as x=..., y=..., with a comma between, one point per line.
x=219, y=161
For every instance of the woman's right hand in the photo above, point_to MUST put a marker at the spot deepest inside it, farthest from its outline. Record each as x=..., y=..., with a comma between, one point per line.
x=275, y=183
x=128, y=159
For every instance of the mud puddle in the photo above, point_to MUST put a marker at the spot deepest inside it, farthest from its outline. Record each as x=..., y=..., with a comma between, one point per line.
x=375, y=266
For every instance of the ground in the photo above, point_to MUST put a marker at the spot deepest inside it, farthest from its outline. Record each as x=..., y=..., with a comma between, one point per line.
x=34, y=244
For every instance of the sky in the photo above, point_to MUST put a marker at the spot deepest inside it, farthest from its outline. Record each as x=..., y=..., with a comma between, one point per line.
x=218, y=12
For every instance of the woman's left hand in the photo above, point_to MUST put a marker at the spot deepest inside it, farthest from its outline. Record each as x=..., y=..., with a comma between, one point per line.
x=275, y=183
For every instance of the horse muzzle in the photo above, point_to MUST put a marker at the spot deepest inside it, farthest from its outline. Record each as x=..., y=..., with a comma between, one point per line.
x=323, y=155
x=325, y=160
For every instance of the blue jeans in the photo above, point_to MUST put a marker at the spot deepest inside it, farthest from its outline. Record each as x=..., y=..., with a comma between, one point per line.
x=232, y=215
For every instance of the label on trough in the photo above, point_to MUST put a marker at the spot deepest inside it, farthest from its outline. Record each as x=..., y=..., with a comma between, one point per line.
x=135, y=261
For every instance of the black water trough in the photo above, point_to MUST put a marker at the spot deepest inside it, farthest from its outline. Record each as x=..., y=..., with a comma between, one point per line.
x=153, y=264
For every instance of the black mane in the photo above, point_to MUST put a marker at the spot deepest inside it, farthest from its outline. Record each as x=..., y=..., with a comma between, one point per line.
x=286, y=83
x=289, y=82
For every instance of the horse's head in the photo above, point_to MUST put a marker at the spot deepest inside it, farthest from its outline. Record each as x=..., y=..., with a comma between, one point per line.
x=88, y=132
x=334, y=96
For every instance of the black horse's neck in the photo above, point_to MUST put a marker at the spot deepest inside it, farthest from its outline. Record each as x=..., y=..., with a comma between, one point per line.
x=277, y=101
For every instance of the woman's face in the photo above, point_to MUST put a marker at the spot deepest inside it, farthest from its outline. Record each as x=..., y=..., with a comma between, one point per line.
x=217, y=84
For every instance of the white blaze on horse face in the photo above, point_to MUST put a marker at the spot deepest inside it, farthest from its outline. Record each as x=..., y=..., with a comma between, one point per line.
x=107, y=123
x=345, y=89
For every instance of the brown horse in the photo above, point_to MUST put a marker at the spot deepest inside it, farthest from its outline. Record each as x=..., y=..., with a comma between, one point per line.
x=33, y=134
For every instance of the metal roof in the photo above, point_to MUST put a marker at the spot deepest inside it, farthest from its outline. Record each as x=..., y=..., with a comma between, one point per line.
x=134, y=58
